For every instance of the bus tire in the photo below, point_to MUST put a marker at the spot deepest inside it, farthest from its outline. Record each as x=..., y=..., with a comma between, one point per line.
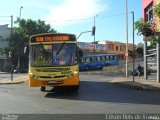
x=43, y=88
x=75, y=88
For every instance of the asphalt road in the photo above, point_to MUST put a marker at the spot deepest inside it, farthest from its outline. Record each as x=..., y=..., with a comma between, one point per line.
x=95, y=96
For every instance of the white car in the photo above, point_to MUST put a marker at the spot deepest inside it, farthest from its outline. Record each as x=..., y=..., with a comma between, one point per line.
x=153, y=67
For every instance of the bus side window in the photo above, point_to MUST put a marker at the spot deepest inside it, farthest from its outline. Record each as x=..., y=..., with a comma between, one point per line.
x=112, y=57
x=107, y=58
x=94, y=59
x=87, y=59
x=116, y=57
x=98, y=58
x=101, y=58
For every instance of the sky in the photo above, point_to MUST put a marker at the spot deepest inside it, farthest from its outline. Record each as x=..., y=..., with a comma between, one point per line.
x=76, y=16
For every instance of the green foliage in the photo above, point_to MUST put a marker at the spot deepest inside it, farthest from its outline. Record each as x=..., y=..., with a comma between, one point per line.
x=145, y=29
x=157, y=10
x=22, y=34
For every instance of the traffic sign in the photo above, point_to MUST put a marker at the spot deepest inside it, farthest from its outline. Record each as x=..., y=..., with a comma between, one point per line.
x=126, y=54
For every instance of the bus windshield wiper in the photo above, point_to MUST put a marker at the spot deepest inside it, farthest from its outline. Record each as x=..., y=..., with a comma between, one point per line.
x=60, y=48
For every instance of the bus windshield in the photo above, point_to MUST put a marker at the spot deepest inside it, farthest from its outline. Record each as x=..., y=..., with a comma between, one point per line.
x=47, y=55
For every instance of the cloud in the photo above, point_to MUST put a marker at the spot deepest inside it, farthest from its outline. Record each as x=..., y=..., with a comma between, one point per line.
x=73, y=10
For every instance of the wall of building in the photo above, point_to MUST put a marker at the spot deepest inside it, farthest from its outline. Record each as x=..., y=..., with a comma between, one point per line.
x=5, y=33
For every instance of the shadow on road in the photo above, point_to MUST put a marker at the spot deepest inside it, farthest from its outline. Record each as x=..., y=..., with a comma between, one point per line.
x=105, y=92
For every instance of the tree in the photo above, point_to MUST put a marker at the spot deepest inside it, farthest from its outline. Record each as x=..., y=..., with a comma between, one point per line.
x=144, y=28
x=21, y=35
x=147, y=29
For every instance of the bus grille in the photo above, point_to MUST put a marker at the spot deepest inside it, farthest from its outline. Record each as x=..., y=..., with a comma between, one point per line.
x=52, y=76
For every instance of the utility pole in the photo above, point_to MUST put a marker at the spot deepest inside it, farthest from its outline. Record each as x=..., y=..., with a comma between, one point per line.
x=11, y=26
x=11, y=52
x=133, y=43
x=126, y=38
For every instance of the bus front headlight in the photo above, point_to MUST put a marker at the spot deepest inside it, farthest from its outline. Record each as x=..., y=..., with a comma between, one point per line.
x=75, y=72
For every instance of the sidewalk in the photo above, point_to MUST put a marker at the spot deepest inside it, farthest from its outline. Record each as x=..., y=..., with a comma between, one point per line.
x=139, y=83
x=16, y=80
x=119, y=79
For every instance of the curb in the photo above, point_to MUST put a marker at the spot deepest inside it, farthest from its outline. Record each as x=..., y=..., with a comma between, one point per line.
x=92, y=73
x=18, y=80
x=10, y=82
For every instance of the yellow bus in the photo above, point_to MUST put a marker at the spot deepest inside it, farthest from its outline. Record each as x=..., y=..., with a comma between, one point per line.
x=53, y=61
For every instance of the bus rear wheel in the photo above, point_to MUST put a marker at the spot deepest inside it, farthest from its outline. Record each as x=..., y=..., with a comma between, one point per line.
x=43, y=88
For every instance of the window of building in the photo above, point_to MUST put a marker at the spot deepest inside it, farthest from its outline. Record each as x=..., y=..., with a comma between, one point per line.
x=116, y=48
x=1, y=39
x=149, y=13
x=122, y=48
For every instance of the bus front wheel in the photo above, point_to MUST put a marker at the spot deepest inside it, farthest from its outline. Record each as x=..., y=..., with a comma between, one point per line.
x=75, y=88
x=43, y=88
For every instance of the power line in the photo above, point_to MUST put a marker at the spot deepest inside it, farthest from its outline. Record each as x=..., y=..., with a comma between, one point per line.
x=114, y=15
x=102, y=17
x=69, y=20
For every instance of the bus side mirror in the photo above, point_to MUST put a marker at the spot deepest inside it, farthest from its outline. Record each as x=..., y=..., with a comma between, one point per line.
x=26, y=50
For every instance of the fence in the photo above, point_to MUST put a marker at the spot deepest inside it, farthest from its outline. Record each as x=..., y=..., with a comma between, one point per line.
x=121, y=68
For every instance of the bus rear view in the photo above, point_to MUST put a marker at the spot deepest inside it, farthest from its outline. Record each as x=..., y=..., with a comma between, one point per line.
x=53, y=61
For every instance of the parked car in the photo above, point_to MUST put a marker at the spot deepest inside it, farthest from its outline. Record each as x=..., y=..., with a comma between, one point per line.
x=21, y=70
x=153, y=67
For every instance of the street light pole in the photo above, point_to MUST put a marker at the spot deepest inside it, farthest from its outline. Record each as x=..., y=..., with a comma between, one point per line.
x=133, y=43
x=19, y=29
x=126, y=38
x=11, y=49
x=20, y=12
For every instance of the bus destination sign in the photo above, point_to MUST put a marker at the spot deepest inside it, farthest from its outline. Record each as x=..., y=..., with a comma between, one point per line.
x=52, y=38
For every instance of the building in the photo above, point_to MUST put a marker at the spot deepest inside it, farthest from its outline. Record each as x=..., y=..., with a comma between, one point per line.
x=148, y=14
x=106, y=46
x=91, y=47
x=5, y=33
x=115, y=47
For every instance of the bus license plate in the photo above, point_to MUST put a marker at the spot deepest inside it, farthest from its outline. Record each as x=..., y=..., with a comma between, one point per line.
x=51, y=82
